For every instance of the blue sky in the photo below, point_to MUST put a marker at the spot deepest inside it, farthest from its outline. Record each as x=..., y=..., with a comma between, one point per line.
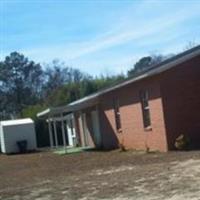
x=98, y=37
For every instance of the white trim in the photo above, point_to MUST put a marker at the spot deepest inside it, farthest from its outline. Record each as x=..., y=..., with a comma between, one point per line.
x=16, y=122
x=40, y=114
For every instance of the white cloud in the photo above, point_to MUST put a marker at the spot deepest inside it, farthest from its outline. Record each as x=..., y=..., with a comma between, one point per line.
x=115, y=37
x=131, y=28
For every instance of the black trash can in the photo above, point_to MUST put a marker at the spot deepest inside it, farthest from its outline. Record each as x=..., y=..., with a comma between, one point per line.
x=22, y=145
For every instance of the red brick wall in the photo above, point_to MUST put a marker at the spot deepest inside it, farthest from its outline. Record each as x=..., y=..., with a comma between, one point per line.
x=133, y=134
x=177, y=112
x=180, y=89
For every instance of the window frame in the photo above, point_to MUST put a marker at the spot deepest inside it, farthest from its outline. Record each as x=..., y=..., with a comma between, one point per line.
x=144, y=99
x=116, y=108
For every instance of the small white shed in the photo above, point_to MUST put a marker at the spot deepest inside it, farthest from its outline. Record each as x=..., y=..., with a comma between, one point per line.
x=12, y=131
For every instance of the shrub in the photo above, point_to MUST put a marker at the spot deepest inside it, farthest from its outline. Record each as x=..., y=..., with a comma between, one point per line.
x=182, y=142
x=122, y=147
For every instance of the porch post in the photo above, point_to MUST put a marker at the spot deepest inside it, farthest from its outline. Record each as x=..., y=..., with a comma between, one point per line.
x=63, y=131
x=50, y=133
x=55, y=132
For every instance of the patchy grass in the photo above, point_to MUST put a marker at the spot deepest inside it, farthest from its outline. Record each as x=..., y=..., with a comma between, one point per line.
x=71, y=150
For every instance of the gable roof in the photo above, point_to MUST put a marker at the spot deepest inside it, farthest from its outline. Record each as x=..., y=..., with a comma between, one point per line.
x=152, y=71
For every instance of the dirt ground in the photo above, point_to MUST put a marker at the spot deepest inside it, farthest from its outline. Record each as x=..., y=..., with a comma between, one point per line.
x=101, y=175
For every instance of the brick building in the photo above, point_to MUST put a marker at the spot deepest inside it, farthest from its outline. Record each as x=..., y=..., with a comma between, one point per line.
x=145, y=112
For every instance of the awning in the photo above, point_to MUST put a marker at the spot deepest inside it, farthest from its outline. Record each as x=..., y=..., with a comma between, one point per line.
x=72, y=107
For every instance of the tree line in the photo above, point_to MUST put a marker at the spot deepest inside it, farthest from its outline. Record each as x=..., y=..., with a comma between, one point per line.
x=26, y=87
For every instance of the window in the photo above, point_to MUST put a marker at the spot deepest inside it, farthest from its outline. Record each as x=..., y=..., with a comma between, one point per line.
x=117, y=114
x=144, y=97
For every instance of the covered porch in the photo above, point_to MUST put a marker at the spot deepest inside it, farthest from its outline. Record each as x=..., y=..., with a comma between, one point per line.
x=60, y=124
x=76, y=124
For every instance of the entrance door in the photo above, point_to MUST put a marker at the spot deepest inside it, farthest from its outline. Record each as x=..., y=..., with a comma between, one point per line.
x=96, y=128
x=71, y=131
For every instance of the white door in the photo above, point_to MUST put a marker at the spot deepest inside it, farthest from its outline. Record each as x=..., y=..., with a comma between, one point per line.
x=96, y=128
x=69, y=134
x=71, y=131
